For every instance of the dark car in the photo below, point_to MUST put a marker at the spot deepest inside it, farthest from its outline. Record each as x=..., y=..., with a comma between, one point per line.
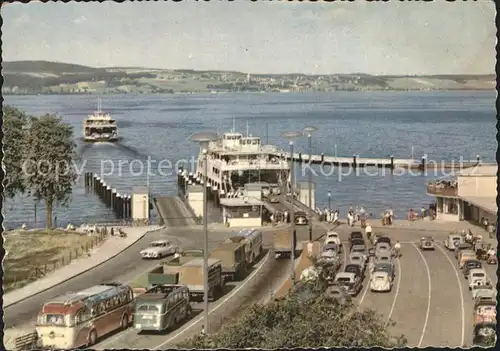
x=356, y=269
x=356, y=241
x=470, y=264
x=383, y=239
x=355, y=235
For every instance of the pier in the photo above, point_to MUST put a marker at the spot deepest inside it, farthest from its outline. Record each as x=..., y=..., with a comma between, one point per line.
x=121, y=204
x=389, y=162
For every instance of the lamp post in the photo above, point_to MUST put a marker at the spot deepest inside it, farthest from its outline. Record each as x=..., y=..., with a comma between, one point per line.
x=291, y=136
x=329, y=200
x=204, y=138
x=309, y=130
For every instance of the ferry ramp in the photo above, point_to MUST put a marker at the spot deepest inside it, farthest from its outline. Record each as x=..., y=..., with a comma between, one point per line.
x=173, y=211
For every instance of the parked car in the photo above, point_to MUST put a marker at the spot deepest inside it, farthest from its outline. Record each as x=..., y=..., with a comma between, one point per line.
x=357, y=258
x=382, y=257
x=355, y=268
x=332, y=247
x=361, y=249
x=477, y=276
x=380, y=282
x=484, y=294
x=478, y=290
x=356, y=242
x=387, y=267
x=452, y=241
x=471, y=264
x=383, y=239
x=350, y=282
x=333, y=238
x=382, y=247
x=464, y=256
x=339, y=293
x=158, y=249
x=427, y=243
x=356, y=235
x=300, y=218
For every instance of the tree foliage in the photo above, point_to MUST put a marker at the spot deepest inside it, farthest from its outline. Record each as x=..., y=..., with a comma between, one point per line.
x=14, y=124
x=306, y=317
x=49, y=168
x=39, y=158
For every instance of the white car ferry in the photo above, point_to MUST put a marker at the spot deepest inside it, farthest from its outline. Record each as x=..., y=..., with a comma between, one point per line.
x=235, y=160
x=100, y=126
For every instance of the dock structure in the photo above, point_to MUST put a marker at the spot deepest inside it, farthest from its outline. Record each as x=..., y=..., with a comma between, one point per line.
x=173, y=211
x=389, y=162
x=121, y=204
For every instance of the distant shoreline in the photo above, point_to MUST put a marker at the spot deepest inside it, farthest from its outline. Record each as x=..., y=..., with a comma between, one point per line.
x=249, y=92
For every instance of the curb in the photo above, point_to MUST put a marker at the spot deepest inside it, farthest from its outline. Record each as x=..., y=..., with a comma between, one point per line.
x=86, y=270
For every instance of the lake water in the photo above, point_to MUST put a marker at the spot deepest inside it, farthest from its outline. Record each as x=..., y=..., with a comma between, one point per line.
x=443, y=125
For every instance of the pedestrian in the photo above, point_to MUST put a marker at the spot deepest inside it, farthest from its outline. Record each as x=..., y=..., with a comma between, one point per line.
x=368, y=230
x=491, y=230
x=203, y=330
x=112, y=231
x=422, y=212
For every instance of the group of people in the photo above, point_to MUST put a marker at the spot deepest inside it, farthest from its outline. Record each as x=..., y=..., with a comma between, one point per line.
x=328, y=215
x=424, y=213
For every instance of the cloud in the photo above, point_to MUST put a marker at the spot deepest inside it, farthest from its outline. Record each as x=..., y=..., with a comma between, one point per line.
x=80, y=20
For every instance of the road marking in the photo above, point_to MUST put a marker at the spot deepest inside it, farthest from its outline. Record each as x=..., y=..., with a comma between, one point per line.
x=461, y=293
x=429, y=297
x=397, y=290
x=231, y=294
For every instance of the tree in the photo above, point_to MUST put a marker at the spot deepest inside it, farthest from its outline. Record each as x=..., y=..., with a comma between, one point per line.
x=306, y=317
x=13, y=137
x=48, y=165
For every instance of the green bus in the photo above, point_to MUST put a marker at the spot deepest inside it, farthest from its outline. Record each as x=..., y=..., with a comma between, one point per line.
x=161, y=307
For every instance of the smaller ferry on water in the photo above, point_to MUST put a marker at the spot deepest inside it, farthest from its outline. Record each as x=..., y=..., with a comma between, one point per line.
x=100, y=126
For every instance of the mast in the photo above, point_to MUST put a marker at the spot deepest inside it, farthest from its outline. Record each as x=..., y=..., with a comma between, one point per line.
x=247, y=129
x=234, y=121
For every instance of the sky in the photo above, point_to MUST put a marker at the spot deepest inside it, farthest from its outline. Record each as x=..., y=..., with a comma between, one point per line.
x=263, y=37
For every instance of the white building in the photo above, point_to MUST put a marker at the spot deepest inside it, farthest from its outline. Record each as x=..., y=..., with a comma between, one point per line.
x=470, y=196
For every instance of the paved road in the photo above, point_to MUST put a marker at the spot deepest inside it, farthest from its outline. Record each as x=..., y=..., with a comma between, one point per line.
x=124, y=267
x=257, y=288
x=430, y=300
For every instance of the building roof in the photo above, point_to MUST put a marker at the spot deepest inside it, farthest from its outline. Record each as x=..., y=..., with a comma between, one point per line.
x=240, y=201
x=140, y=190
x=479, y=171
x=487, y=203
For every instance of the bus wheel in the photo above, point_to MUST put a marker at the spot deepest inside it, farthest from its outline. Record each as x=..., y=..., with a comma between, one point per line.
x=124, y=323
x=92, y=338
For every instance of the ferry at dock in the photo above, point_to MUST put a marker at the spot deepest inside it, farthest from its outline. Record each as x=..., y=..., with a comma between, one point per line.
x=235, y=160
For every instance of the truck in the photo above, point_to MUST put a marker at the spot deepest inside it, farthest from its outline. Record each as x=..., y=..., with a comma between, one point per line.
x=187, y=269
x=283, y=243
x=162, y=307
x=233, y=259
x=253, y=244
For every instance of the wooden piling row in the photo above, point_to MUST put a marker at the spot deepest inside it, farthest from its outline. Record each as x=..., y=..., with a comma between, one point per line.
x=121, y=204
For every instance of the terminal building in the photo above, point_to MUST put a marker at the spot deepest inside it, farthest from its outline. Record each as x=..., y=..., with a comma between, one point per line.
x=470, y=196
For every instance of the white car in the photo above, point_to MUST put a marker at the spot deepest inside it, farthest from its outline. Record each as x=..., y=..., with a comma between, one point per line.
x=481, y=290
x=452, y=241
x=477, y=277
x=332, y=237
x=158, y=249
x=380, y=282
